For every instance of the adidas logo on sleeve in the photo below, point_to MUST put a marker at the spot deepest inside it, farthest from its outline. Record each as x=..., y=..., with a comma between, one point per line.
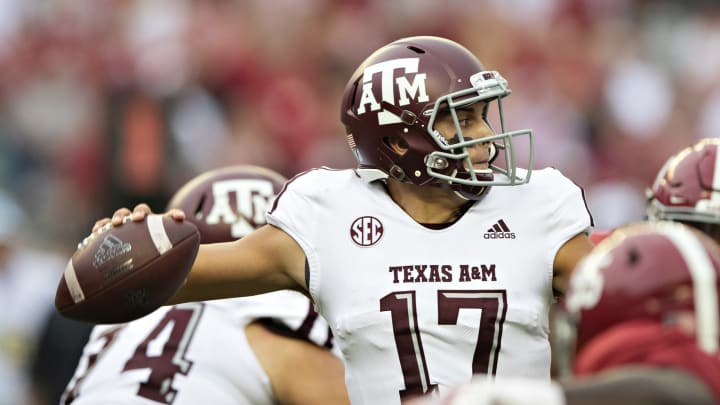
x=499, y=231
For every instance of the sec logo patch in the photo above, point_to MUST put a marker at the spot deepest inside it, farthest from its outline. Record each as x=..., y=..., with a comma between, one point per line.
x=366, y=231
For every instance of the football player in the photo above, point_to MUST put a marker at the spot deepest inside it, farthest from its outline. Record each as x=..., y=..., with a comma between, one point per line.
x=436, y=258
x=644, y=315
x=267, y=349
x=686, y=189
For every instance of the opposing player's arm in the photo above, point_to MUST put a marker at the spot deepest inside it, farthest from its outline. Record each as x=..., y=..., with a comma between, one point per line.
x=266, y=260
x=567, y=257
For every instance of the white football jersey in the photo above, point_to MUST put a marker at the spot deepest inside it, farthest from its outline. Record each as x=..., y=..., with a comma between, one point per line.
x=416, y=309
x=189, y=354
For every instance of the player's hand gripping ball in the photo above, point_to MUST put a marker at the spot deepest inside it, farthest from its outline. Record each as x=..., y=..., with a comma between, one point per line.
x=122, y=273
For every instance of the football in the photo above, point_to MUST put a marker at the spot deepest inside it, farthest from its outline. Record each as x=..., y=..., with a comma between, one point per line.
x=122, y=273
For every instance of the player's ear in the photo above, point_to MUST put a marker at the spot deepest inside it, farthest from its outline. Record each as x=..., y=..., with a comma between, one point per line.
x=397, y=145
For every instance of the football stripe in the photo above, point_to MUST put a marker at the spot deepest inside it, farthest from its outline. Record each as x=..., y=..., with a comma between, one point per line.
x=158, y=234
x=73, y=284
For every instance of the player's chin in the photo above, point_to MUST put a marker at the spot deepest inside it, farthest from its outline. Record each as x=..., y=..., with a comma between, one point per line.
x=483, y=167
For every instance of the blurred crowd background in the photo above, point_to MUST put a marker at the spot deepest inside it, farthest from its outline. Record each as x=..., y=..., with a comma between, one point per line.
x=107, y=103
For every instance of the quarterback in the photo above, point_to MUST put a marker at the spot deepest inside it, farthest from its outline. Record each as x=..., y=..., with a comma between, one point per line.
x=437, y=257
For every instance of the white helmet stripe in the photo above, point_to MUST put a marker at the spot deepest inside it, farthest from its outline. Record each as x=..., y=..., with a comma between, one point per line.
x=704, y=285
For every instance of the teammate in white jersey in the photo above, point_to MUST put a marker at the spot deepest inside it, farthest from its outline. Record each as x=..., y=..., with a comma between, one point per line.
x=436, y=258
x=267, y=349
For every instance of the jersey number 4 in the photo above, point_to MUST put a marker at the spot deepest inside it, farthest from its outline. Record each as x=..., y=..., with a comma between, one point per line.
x=402, y=307
x=162, y=351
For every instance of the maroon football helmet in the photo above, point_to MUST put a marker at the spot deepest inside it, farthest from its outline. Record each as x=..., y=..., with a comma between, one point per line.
x=228, y=203
x=687, y=188
x=647, y=271
x=397, y=94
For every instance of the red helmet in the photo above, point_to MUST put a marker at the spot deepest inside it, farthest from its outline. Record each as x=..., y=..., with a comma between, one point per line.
x=647, y=271
x=397, y=92
x=228, y=203
x=687, y=188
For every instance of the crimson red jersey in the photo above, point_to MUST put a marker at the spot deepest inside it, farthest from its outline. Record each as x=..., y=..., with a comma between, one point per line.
x=651, y=344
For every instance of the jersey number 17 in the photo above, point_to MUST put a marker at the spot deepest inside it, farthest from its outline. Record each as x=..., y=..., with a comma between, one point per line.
x=402, y=307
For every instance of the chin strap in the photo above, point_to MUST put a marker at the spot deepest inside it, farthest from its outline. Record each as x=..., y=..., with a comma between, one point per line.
x=406, y=117
x=473, y=197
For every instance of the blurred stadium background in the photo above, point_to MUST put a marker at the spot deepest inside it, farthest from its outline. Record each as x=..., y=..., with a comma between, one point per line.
x=106, y=103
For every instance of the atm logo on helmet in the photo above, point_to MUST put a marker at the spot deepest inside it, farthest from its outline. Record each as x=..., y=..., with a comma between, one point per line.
x=253, y=198
x=408, y=87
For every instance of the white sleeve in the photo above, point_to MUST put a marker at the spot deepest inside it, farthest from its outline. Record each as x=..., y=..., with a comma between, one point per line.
x=299, y=211
x=569, y=214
